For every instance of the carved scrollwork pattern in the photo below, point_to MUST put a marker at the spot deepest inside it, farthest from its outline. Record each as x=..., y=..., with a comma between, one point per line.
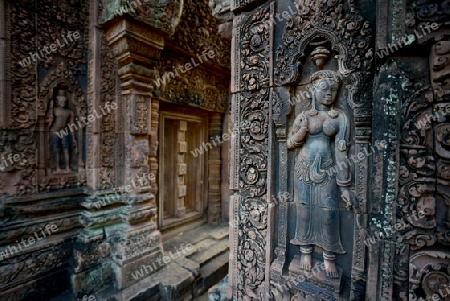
x=253, y=57
x=416, y=180
x=429, y=275
x=440, y=77
x=108, y=86
x=423, y=182
x=28, y=265
x=252, y=109
x=252, y=173
x=57, y=19
x=22, y=23
x=251, y=249
x=254, y=128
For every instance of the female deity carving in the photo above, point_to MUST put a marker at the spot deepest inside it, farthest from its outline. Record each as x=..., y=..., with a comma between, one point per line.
x=321, y=168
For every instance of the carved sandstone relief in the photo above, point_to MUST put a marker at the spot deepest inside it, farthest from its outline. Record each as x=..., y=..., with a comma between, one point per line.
x=164, y=15
x=109, y=151
x=423, y=192
x=322, y=46
x=61, y=156
x=315, y=190
x=251, y=212
x=31, y=108
x=250, y=148
x=198, y=32
x=194, y=87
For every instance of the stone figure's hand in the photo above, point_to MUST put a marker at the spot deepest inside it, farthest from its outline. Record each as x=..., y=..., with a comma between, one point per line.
x=364, y=234
x=347, y=197
x=301, y=121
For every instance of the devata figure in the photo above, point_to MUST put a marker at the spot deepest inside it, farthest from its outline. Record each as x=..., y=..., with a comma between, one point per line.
x=319, y=171
x=60, y=136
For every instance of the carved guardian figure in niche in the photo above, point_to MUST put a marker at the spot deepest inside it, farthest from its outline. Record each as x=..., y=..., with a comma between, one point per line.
x=321, y=134
x=61, y=139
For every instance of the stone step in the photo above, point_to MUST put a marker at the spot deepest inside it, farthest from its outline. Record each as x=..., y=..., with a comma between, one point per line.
x=211, y=273
x=219, y=292
x=176, y=284
x=206, y=254
x=195, y=236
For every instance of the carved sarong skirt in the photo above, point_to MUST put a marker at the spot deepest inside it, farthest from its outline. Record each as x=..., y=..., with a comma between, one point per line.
x=316, y=206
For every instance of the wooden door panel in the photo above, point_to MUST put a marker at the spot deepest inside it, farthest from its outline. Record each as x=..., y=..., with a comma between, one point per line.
x=182, y=188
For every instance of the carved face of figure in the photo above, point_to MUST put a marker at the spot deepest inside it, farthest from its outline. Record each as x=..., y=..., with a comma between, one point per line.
x=61, y=100
x=326, y=91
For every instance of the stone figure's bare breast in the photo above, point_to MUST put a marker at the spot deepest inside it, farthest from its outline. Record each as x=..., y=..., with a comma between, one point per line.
x=323, y=123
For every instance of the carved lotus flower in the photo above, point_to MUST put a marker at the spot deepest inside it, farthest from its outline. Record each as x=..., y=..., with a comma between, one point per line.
x=256, y=216
x=249, y=255
x=256, y=41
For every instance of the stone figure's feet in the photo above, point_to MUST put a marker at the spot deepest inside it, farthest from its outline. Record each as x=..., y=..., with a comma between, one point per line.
x=306, y=262
x=330, y=268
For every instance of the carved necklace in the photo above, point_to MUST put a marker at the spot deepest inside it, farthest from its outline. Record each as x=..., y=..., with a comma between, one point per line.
x=333, y=113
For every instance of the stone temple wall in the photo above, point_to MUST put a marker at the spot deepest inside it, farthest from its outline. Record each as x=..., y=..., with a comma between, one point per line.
x=79, y=126
x=339, y=168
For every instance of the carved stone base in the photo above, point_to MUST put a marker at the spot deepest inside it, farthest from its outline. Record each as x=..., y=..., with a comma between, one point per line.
x=317, y=275
x=308, y=292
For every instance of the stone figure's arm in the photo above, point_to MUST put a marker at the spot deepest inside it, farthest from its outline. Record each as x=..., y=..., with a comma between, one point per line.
x=298, y=132
x=74, y=141
x=343, y=177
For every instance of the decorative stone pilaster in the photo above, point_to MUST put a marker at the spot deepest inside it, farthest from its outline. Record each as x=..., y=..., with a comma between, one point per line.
x=135, y=48
x=154, y=143
x=214, y=164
